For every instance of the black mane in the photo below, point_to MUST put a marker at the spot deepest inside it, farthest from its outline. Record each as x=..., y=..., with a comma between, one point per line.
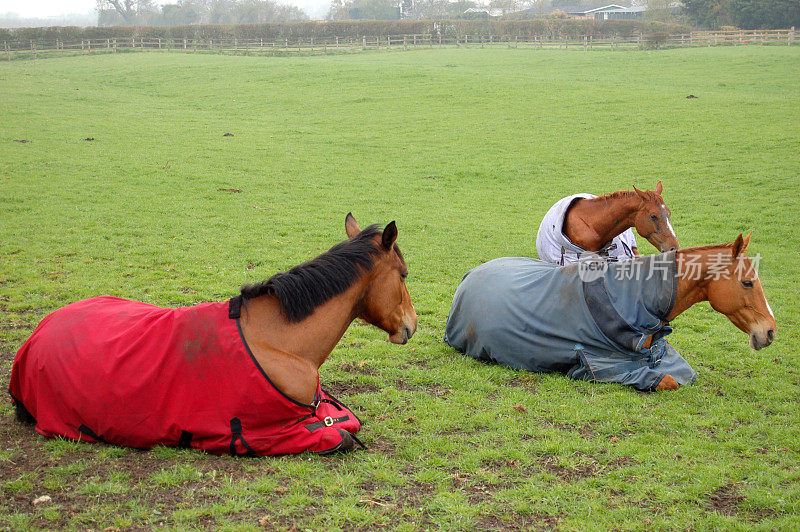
x=306, y=286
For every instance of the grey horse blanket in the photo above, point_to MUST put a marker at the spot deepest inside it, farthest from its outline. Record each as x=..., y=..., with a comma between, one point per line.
x=590, y=324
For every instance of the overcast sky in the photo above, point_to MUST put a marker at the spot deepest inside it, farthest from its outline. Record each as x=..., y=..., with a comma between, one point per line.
x=50, y=8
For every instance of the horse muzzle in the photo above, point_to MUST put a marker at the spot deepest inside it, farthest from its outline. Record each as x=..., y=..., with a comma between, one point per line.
x=405, y=332
x=761, y=339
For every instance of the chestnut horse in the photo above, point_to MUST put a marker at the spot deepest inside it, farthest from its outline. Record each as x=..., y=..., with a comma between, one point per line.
x=605, y=321
x=581, y=223
x=239, y=376
x=724, y=276
x=293, y=321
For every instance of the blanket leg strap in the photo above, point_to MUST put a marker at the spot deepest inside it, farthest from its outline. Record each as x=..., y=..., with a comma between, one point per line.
x=89, y=432
x=236, y=434
x=185, y=440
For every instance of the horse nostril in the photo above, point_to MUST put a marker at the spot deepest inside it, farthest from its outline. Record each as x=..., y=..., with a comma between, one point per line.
x=673, y=248
x=771, y=335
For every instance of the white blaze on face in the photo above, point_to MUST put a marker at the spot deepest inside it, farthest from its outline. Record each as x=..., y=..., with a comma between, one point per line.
x=669, y=224
x=769, y=308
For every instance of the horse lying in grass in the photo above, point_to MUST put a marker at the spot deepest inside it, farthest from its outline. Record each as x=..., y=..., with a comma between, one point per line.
x=602, y=225
x=604, y=321
x=239, y=376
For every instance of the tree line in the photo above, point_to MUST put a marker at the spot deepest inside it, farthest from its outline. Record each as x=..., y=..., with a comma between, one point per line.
x=714, y=14
x=189, y=12
x=745, y=14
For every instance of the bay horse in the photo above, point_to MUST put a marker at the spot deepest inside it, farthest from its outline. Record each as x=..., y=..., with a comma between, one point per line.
x=602, y=224
x=604, y=321
x=239, y=376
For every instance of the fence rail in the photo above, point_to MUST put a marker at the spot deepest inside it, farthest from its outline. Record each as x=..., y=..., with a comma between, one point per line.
x=35, y=49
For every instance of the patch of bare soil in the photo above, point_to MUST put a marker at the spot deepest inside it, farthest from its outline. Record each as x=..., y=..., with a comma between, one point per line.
x=586, y=430
x=381, y=446
x=568, y=473
x=523, y=381
x=362, y=368
x=348, y=389
x=518, y=522
x=434, y=391
x=725, y=500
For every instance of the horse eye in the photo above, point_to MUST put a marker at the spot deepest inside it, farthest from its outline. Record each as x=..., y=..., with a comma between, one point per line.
x=404, y=275
x=747, y=284
x=654, y=217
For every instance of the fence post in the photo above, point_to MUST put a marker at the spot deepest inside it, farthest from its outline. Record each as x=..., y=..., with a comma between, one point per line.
x=405, y=44
x=639, y=41
x=114, y=43
x=363, y=42
x=8, y=50
x=585, y=42
x=790, y=37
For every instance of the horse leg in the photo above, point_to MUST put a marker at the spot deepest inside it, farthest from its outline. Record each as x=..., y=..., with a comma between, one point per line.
x=667, y=383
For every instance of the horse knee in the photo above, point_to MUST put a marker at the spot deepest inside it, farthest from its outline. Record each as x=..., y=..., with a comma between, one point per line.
x=667, y=383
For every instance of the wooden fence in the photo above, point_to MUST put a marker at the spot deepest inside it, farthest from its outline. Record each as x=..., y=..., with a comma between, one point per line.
x=35, y=49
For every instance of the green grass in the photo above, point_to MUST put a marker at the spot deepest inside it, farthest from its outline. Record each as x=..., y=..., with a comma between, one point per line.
x=466, y=149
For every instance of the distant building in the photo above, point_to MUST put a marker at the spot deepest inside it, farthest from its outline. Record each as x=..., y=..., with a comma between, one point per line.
x=489, y=11
x=618, y=13
x=608, y=12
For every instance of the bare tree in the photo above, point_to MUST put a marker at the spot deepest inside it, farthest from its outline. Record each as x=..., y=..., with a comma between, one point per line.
x=128, y=10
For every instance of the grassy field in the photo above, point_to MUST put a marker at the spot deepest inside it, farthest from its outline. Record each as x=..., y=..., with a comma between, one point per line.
x=466, y=149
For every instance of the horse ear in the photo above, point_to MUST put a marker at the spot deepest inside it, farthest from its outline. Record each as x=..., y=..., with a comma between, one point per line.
x=641, y=194
x=389, y=236
x=351, y=225
x=659, y=188
x=739, y=245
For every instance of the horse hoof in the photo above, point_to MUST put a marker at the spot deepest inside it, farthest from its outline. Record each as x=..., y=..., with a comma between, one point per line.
x=667, y=383
x=347, y=444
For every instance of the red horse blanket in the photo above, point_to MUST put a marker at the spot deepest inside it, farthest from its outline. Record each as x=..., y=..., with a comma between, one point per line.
x=136, y=375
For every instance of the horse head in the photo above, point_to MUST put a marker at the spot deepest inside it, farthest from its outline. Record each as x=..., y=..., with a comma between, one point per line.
x=652, y=219
x=735, y=290
x=386, y=302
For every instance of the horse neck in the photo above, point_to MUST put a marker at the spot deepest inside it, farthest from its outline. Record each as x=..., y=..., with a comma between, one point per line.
x=692, y=280
x=313, y=338
x=594, y=222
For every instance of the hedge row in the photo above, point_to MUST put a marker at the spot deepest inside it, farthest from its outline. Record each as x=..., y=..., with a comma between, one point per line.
x=318, y=30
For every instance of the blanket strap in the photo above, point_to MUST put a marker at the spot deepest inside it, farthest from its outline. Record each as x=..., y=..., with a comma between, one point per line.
x=327, y=422
x=358, y=441
x=89, y=432
x=236, y=434
x=185, y=440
